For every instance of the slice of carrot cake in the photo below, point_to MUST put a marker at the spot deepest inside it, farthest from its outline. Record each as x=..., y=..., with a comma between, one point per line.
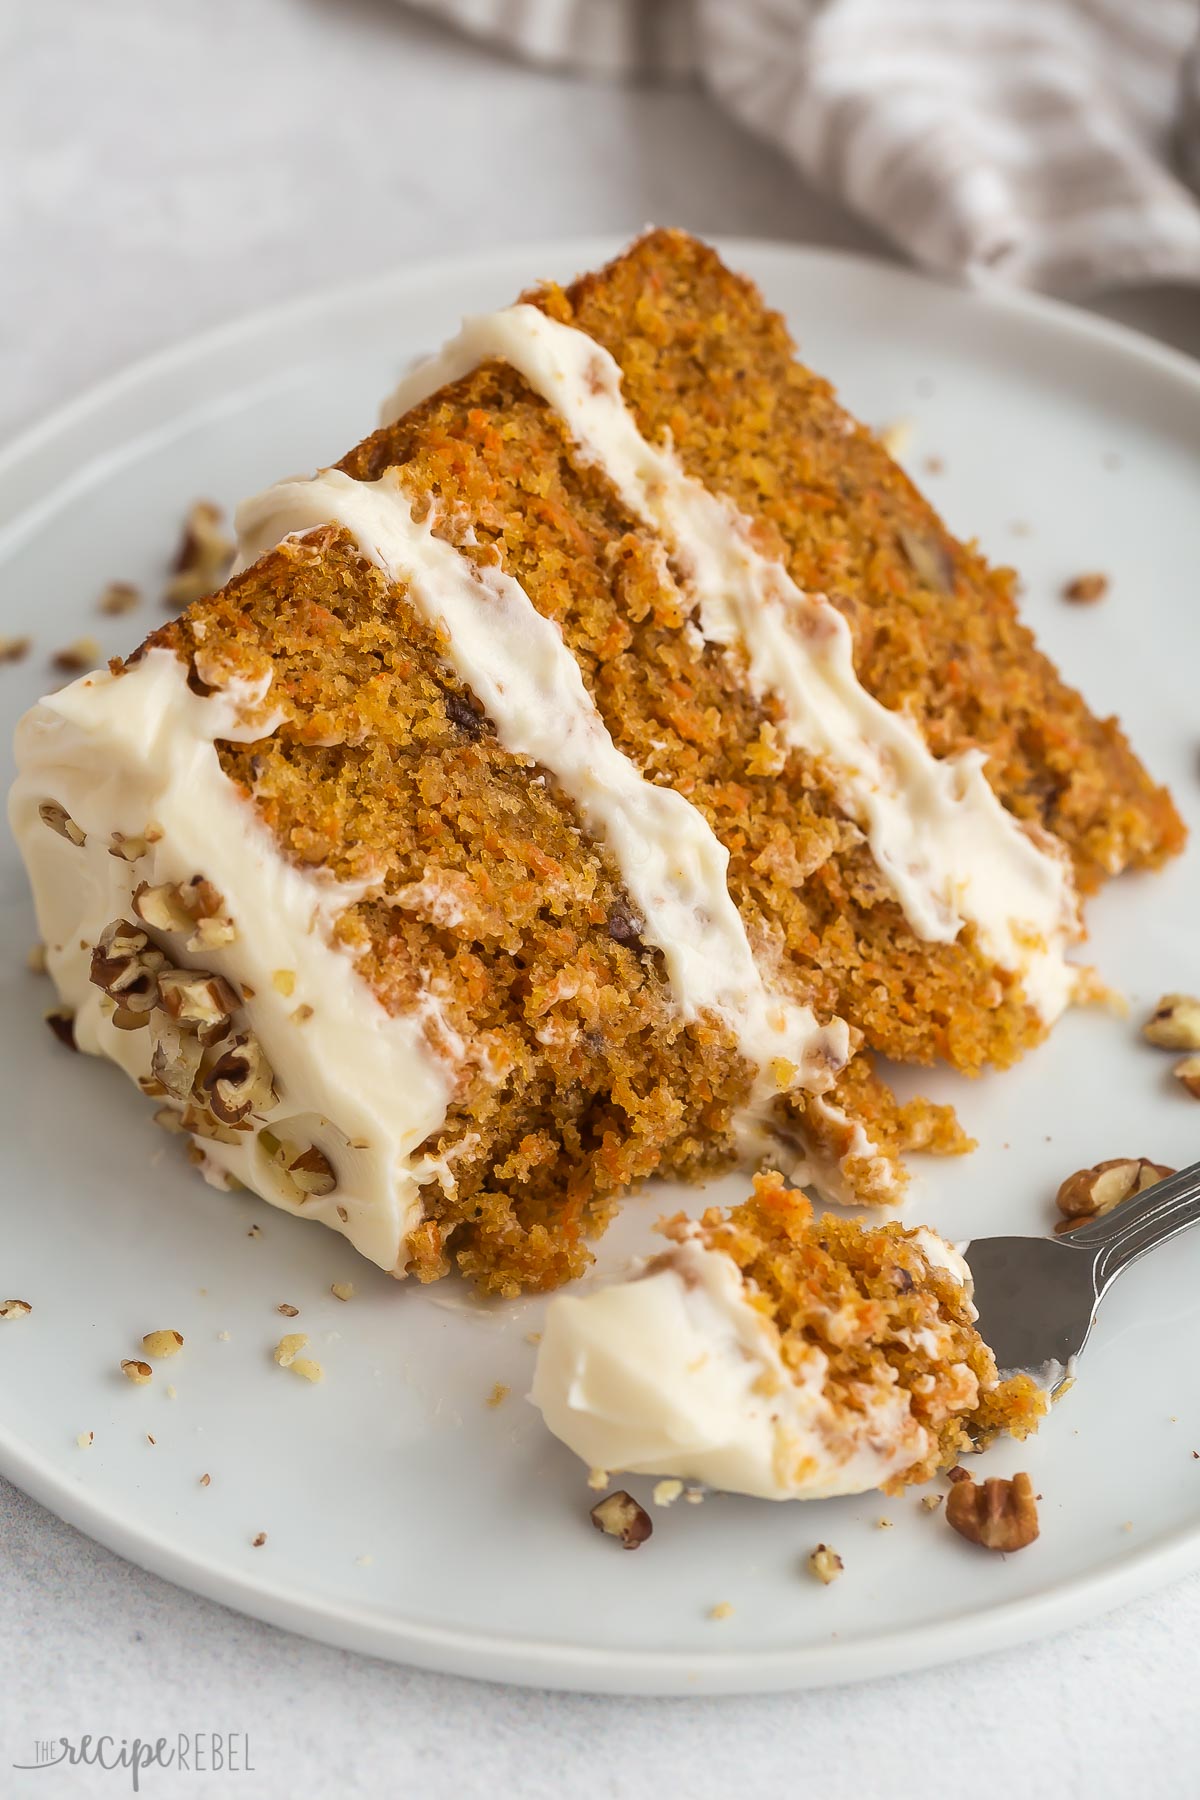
x=772, y=1353
x=576, y=783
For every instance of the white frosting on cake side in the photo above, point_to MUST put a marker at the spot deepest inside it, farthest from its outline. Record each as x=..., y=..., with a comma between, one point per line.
x=951, y=852
x=676, y=1372
x=515, y=662
x=134, y=755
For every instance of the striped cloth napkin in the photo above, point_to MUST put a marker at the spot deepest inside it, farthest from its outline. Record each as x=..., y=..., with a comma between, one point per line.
x=1051, y=143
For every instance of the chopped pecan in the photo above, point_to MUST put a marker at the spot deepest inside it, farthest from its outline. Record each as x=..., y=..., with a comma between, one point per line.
x=1086, y=588
x=998, y=1514
x=621, y=1517
x=240, y=1081
x=161, y=906
x=825, y=1564
x=128, y=847
x=201, y=1123
x=1089, y=1193
x=74, y=658
x=1175, y=1023
x=194, y=907
x=176, y=1056
x=1187, y=1071
x=198, y=1002
x=59, y=819
x=119, y=597
x=61, y=1021
x=312, y=1172
x=125, y=965
x=202, y=560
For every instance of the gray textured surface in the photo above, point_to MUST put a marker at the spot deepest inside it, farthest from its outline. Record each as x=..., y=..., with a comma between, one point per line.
x=170, y=166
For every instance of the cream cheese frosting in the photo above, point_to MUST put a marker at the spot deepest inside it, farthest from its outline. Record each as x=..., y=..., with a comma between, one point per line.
x=676, y=1373
x=951, y=852
x=130, y=759
x=514, y=660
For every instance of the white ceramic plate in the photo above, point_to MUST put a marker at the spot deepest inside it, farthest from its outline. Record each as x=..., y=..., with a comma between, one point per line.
x=403, y=1516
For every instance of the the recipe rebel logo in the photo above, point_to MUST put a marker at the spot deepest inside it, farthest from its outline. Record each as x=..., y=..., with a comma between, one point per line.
x=186, y=1752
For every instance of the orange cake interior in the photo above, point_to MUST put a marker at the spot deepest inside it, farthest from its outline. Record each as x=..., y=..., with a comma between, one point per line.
x=883, y=1304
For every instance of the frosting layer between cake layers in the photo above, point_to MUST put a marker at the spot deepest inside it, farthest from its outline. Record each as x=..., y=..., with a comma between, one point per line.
x=515, y=662
x=951, y=852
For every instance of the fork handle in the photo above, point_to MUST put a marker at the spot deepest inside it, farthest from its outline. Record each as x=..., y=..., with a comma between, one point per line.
x=1136, y=1226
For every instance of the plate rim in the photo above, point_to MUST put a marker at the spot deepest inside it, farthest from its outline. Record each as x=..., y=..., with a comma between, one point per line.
x=543, y=1662
x=549, y=1664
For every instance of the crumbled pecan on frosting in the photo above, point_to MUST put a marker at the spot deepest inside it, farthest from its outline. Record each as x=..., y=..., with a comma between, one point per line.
x=125, y=965
x=997, y=1514
x=198, y=1002
x=51, y=813
x=312, y=1172
x=176, y=1056
x=194, y=907
x=128, y=846
x=240, y=1081
x=218, y=1075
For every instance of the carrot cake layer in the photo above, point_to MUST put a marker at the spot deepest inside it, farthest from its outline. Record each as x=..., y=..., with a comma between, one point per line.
x=577, y=783
x=772, y=1353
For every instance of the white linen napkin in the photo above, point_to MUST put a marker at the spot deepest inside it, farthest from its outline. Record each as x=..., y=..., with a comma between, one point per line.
x=1051, y=143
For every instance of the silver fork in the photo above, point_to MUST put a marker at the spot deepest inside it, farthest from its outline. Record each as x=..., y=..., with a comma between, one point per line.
x=1037, y=1297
